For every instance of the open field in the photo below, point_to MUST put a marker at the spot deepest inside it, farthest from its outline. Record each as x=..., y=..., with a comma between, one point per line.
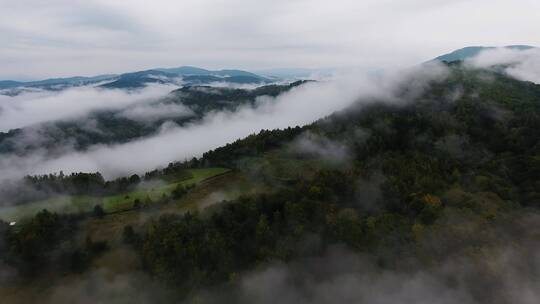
x=113, y=203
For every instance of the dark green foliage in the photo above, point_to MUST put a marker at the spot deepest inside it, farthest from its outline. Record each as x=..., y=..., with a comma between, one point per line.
x=75, y=183
x=175, y=171
x=442, y=156
x=130, y=237
x=98, y=211
x=47, y=242
x=178, y=191
x=32, y=244
x=252, y=145
x=4, y=230
x=192, y=251
x=81, y=257
x=35, y=239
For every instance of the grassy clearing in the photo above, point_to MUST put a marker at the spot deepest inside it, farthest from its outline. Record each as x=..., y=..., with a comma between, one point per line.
x=208, y=192
x=113, y=203
x=125, y=201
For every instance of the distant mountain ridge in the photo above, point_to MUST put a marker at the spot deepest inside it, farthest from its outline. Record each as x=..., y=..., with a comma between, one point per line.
x=137, y=79
x=195, y=71
x=472, y=51
x=190, y=75
x=185, y=75
x=76, y=80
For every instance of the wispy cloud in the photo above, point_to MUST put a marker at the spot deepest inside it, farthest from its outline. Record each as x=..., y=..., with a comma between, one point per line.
x=35, y=107
x=152, y=112
x=520, y=64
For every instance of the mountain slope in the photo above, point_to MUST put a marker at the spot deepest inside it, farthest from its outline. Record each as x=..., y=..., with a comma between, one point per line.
x=440, y=189
x=191, y=75
x=139, y=79
x=52, y=82
x=194, y=71
x=472, y=51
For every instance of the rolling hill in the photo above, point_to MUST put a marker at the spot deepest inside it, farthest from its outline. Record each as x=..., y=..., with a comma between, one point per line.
x=189, y=75
x=472, y=51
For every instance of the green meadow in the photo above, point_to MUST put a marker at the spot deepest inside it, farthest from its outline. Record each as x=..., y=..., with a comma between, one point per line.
x=110, y=204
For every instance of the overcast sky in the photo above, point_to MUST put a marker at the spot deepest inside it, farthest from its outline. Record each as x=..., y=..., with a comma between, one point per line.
x=69, y=37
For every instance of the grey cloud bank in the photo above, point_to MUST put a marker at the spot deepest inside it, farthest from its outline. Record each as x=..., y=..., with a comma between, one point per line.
x=61, y=37
x=151, y=112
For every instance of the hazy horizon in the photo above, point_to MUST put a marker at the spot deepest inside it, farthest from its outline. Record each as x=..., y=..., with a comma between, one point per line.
x=62, y=38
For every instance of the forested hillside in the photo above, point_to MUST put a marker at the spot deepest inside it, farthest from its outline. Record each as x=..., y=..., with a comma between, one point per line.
x=441, y=187
x=465, y=151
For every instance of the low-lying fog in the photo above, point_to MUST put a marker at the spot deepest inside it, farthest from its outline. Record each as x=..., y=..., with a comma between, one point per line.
x=299, y=106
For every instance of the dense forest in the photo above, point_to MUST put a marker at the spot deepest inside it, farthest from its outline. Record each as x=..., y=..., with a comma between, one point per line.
x=436, y=158
x=451, y=173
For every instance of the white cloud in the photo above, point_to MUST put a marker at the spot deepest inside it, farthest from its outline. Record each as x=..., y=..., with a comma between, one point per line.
x=312, y=144
x=42, y=106
x=152, y=112
x=520, y=64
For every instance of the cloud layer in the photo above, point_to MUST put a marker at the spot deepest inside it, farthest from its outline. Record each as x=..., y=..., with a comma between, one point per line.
x=42, y=106
x=152, y=112
x=520, y=64
x=72, y=37
x=299, y=106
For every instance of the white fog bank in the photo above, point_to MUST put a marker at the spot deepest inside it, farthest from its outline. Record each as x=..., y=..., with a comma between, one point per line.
x=299, y=106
